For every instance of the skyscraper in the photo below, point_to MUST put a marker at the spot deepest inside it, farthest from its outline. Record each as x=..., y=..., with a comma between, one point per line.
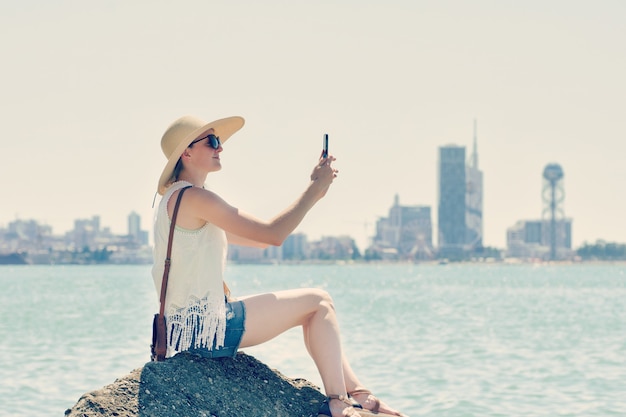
x=134, y=225
x=451, y=218
x=474, y=200
x=134, y=229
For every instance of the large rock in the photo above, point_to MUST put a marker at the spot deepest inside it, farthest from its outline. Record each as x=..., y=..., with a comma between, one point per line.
x=188, y=385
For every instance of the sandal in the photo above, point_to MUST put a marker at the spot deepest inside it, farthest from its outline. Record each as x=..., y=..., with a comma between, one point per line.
x=325, y=407
x=374, y=410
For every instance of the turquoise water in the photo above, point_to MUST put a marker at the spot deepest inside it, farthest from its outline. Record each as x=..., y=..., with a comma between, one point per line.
x=432, y=340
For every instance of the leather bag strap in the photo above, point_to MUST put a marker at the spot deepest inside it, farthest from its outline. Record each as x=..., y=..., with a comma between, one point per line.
x=168, y=257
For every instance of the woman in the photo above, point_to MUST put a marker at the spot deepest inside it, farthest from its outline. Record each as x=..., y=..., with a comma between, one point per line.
x=198, y=318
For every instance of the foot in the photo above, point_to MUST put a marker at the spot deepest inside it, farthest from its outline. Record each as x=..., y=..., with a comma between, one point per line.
x=371, y=403
x=337, y=406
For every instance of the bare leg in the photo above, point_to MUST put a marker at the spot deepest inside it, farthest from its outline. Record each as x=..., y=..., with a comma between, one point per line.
x=352, y=383
x=269, y=315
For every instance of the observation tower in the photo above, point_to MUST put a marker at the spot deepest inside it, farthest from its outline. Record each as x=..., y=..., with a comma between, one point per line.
x=553, y=196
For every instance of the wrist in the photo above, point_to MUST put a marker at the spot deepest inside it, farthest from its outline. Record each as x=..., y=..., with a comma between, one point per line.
x=314, y=190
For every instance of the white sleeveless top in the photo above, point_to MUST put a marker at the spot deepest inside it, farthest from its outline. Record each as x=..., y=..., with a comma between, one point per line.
x=194, y=304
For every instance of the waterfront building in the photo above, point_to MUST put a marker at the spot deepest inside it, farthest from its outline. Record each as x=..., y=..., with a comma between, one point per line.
x=474, y=200
x=134, y=224
x=451, y=210
x=333, y=248
x=295, y=247
x=134, y=229
x=460, y=202
x=254, y=255
x=533, y=239
x=85, y=233
x=405, y=234
x=25, y=234
x=87, y=243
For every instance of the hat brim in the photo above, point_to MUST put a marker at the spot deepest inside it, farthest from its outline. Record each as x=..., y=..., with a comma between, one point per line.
x=224, y=128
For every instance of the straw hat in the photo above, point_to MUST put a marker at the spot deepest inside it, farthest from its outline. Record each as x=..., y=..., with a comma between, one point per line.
x=184, y=131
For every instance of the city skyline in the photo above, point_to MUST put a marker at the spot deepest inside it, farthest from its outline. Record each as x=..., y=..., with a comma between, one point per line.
x=392, y=231
x=468, y=163
x=88, y=90
x=405, y=235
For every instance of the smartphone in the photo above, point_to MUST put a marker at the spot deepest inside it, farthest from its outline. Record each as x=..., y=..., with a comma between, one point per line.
x=325, y=146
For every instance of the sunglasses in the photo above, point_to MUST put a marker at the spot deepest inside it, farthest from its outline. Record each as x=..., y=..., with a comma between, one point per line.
x=212, y=141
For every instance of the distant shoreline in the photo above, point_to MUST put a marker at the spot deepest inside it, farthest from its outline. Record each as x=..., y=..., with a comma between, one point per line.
x=16, y=259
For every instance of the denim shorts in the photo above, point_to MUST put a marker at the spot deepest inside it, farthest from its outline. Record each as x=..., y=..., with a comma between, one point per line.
x=235, y=326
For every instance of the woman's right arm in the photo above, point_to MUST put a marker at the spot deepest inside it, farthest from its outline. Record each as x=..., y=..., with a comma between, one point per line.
x=209, y=207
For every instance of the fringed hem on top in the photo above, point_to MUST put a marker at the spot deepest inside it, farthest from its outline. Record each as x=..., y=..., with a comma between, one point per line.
x=202, y=324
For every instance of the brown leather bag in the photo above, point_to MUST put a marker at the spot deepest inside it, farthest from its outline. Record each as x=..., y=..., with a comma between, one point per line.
x=159, y=328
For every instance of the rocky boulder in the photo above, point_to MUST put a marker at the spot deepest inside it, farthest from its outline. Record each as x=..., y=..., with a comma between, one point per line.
x=188, y=385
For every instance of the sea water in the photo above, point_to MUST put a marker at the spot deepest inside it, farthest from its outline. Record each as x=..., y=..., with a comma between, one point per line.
x=431, y=340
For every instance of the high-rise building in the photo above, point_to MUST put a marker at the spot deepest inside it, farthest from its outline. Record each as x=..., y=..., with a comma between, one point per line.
x=134, y=224
x=451, y=210
x=460, y=210
x=474, y=200
x=134, y=229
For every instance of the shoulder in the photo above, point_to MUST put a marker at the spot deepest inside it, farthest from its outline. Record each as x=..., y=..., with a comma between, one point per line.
x=192, y=193
x=199, y=202
x=199, y=195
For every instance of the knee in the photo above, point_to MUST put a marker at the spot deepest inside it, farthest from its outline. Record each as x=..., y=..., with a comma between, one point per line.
x=324, y=300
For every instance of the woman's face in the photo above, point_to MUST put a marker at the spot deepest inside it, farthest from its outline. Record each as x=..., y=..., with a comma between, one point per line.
x=204, y=154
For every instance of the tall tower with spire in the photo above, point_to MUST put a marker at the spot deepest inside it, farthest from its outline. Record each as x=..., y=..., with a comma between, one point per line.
x=474, y=159
x=474, y=199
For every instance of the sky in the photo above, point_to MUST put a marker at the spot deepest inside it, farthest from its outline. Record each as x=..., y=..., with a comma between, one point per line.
x=88, y=88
